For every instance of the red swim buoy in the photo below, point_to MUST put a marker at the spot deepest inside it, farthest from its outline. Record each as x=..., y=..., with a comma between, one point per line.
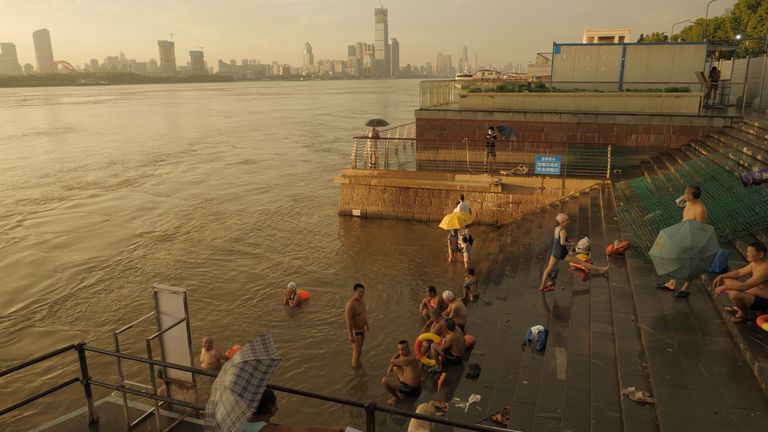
x=417, y=348
x=470, y=341
x=303, y=295
x=232, y=351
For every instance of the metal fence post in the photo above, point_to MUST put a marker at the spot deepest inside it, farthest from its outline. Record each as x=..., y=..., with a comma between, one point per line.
x=86, y=380
x=370, y=417
x=608, y=173
x=744, y=90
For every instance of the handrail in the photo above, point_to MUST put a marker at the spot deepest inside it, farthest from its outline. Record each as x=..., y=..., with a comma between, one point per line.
x=370, y=408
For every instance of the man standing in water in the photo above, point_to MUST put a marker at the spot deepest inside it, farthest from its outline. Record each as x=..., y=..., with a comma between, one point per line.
x=357, y=323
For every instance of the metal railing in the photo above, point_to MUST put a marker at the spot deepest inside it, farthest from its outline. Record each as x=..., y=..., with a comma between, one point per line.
x=370, y=408
x=464, y=155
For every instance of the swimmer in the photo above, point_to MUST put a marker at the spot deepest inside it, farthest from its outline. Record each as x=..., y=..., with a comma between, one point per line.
x=456, y=309
x=357, y=323
x=407, y=374
x=470, y=286
x=452, y=347
x=289, y=297
x=210, y=358
x=430, y=302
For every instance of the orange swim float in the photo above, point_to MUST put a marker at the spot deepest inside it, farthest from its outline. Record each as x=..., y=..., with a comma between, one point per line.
x=762, y=321
x=470, y=341
x=417, y=348
x=232, y=351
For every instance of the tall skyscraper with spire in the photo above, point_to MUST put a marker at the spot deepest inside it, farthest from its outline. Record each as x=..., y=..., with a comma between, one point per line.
x=43, y=48
x=381, y=43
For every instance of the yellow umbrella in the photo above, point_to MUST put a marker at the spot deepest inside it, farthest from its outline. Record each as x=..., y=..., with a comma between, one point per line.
x=456, y=220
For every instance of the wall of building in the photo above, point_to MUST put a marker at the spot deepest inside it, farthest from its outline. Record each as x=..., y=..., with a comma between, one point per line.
x=428, y=196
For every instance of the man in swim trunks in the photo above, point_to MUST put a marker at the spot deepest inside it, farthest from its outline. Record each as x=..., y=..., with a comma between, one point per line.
x=436, y=324
x=453, y=244
x=451, y=348
x=456, y=311
x=210, y=358
x=289, y=297
x=751, y=294
x=407, y=374
x=430, y=302
x=357, y=323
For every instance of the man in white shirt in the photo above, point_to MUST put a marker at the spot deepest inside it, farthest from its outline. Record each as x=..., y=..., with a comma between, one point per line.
x=463, y=206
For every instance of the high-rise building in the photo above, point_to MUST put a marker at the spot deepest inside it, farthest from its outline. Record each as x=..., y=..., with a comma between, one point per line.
x=9, y=61
x=381, y=43
x=94, y=65
x=464, y=60
x=309, y=58
x=394, y=58
x=197, y=63
x=167, y=57
x=43, y=48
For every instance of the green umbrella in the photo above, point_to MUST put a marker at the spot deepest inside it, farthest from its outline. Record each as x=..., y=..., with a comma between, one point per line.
x=685, y=250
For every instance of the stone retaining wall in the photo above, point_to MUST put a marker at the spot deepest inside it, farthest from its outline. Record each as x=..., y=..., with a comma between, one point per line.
x=427, y=197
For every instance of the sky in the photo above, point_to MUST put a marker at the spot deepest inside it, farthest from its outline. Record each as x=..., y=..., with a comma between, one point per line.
x=500, y=31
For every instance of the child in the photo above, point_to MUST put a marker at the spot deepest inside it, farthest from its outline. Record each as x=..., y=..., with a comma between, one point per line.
x=470, y=286
x=466, y=247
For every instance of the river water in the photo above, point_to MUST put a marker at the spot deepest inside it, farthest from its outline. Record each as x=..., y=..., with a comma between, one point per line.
x=224, y=189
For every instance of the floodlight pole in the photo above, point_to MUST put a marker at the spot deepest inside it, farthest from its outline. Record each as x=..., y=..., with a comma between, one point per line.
x=672, y=31
x=706, y=17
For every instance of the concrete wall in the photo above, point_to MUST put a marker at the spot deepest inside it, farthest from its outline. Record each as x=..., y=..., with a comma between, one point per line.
x=587, y=64
x=428, y=196
x=615, y=102
x=634, y=136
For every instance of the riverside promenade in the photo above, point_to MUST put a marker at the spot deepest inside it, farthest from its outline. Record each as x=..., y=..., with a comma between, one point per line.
x=606, y=333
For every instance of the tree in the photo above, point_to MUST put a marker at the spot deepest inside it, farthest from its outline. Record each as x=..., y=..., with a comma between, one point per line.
x=652, y=37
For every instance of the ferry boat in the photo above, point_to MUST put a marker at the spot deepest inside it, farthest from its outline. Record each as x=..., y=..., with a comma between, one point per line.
x=91, y=82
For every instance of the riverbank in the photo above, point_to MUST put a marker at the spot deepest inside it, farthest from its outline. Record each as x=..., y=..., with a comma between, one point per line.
x=112, y=78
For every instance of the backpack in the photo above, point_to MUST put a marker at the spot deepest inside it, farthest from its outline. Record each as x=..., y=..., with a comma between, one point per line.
x=720, y=263
x=584, y=245
x=537, y=335
x=618, y=247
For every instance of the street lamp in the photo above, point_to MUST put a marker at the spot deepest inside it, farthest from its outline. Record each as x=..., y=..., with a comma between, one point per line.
x=706, y=17
x=671, y=32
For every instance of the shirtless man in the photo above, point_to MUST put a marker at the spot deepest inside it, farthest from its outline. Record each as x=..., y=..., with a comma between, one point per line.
x=451, y=348
x=430, y=302
x=751, y=294
x=357, y=323
x=289, y=297
x=456, y=309
x=210, y=358
x=696, y=211
x=407, y=374
x=436, y=324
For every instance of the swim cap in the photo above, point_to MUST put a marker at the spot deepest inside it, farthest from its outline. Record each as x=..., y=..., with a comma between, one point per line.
x=562, y=217
x=292, y=285
x=448, y=295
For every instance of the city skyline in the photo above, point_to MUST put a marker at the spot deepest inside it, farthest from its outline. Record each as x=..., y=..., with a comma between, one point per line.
x=270, y=30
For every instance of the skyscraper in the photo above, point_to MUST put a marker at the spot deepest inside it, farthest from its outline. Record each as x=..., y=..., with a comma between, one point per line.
x=381, y=43
x=43, y=48
x=394, y=58
x=167, y=57
x=197, y=63
x=9, y=61
x=309, y=58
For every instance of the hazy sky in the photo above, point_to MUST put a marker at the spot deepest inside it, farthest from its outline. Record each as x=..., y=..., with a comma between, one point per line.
x=501, y=31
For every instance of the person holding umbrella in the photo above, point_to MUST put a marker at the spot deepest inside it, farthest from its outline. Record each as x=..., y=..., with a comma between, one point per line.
x=371, y=143
x=694, y=210
x=261, y=419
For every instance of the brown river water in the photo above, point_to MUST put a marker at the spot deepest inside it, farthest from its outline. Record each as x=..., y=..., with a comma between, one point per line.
x=224, y=189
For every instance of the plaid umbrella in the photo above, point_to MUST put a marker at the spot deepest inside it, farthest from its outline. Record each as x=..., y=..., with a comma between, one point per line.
x=238, y=388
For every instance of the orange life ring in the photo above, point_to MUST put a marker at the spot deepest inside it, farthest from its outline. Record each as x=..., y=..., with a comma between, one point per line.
x=762, y=321
x=417, y=348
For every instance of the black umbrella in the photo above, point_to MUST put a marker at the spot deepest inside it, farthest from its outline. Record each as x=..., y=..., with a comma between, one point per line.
x=507, y=132
x=377, y=122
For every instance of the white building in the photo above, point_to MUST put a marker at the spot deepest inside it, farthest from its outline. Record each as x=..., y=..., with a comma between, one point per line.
x=606, y=36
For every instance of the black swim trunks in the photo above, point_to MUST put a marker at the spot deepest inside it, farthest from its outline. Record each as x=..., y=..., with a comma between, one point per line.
x=359, y=332
x=451, y=358
x=760, y=304
x=408, y=390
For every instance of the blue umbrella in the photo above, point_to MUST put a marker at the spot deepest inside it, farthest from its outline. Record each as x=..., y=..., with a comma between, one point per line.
x=685, y=250
x=507, y=132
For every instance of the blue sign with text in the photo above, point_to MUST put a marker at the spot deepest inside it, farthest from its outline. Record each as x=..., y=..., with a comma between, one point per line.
x=547, y=165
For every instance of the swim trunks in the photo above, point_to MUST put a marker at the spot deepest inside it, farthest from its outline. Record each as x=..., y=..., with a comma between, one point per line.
x=408, y=389
x=451, y=358
x=359, y=333
x=760, y=304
